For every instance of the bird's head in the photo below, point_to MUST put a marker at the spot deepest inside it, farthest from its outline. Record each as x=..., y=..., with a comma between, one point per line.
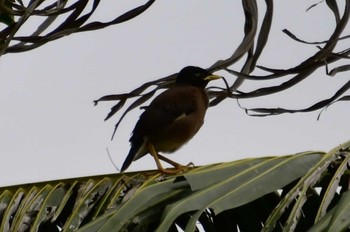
x=195, y=76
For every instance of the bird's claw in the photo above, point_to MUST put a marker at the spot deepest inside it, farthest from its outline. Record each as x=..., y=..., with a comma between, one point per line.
x=177, y=169
x=190, y=165
x=184, y=168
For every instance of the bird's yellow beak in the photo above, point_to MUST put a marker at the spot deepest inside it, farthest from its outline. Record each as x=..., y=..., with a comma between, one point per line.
x=212, y=77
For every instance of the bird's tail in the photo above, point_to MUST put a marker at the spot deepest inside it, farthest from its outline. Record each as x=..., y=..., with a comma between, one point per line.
x=137, y=150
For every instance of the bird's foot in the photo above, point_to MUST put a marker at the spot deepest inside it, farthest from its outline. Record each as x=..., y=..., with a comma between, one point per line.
x=178, y=168
x=190, y=165
x=187, y=167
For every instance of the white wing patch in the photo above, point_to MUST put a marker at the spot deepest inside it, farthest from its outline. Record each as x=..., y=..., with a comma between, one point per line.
x=181, y=116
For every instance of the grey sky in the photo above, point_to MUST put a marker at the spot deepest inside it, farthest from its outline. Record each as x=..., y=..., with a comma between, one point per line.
x=51, y=130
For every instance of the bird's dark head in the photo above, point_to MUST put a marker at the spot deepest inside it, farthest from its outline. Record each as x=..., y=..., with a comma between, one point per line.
x=195, y=76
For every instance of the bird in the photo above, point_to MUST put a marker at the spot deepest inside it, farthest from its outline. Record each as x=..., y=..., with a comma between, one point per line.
x=171, y=119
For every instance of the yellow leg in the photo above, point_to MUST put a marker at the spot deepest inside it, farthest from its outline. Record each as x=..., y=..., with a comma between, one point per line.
x=176, y=165
x=153, y=152
x=169, y=161
x=157, y=157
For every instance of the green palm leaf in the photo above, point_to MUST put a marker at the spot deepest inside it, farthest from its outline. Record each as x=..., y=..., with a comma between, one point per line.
x=281, y=193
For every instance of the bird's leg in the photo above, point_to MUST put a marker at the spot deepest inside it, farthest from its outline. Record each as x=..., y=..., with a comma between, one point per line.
x=176, y=165
x=153, y=152
x=169, y=161
x=156, y=157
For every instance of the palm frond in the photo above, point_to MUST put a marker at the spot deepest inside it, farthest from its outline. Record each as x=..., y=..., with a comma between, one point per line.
x=298, y=192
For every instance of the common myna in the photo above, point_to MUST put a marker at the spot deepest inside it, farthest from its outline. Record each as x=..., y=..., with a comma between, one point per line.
x=171, y=119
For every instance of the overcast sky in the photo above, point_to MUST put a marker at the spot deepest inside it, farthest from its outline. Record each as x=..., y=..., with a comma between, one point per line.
x=49, y=128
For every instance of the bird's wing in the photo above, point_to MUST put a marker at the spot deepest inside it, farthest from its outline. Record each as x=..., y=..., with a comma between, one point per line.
x=168, y=107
